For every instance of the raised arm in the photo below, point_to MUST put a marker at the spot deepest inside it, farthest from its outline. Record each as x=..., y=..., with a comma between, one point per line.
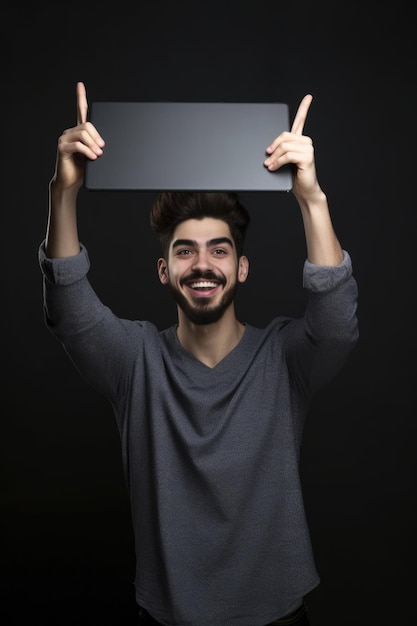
x=323, y=246
x=75, y=145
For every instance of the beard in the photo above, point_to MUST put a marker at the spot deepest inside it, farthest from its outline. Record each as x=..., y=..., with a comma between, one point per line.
x=199, y=311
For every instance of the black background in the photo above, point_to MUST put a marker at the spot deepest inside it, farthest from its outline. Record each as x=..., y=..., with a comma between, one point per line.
x=67, y=554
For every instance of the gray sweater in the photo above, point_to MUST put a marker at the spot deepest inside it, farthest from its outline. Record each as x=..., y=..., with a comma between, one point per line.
x=211, y=455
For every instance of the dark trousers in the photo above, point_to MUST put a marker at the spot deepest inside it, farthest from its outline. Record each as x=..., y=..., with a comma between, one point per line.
x=297, y=618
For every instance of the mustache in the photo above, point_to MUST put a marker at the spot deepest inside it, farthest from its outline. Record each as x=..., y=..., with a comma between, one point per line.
x=209, y=275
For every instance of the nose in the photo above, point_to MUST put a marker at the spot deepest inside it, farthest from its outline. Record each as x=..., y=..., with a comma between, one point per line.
x=202, y=261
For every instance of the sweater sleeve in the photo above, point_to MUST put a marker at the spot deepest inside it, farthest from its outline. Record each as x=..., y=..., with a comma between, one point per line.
x=320, y=342
x=100, y=344
x=71, y=306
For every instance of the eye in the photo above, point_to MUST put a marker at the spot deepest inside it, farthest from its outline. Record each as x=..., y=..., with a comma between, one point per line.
x=219, y=251
x=184, y=252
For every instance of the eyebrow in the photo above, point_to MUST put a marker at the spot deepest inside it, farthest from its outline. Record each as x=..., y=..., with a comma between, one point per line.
x=211, y=242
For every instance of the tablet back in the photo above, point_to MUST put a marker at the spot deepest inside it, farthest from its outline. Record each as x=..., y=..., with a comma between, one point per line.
x=200, y=146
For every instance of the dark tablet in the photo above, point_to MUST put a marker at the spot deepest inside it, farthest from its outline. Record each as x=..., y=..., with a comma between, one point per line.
x=204, y=146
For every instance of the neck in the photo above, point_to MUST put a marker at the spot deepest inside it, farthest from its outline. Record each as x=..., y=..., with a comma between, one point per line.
x=210, y=343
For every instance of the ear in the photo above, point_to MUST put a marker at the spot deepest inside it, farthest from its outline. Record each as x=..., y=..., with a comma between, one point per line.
x=162, y=268
x=243, y=269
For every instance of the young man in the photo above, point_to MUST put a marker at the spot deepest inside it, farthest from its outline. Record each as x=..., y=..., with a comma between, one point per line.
x=211, y=410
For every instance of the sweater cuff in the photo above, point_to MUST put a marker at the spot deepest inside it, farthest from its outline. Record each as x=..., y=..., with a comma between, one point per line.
x=322, y=278
x=64, y=271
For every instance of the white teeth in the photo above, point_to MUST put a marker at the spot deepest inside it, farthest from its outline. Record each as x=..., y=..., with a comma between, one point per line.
x=203, y=284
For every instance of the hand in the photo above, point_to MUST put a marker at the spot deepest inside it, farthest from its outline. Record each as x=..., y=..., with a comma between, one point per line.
x=75, y=145
x=296, y=148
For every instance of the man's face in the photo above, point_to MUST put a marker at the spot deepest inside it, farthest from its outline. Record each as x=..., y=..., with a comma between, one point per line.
x=203, y=270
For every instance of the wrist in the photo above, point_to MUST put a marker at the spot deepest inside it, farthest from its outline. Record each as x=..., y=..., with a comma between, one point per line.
x=59, y=194
x=314, y=201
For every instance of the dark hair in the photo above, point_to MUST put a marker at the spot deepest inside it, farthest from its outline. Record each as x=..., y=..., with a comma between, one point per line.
x=171, y=208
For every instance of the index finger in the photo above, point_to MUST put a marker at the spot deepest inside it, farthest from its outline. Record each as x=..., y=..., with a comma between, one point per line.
x=82, y=105
x=301, y=115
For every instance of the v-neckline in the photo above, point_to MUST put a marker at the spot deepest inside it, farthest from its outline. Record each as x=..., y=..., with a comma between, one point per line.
x=218, y=365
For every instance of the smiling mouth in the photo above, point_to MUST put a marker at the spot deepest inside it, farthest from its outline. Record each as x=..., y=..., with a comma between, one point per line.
x=203, y=285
